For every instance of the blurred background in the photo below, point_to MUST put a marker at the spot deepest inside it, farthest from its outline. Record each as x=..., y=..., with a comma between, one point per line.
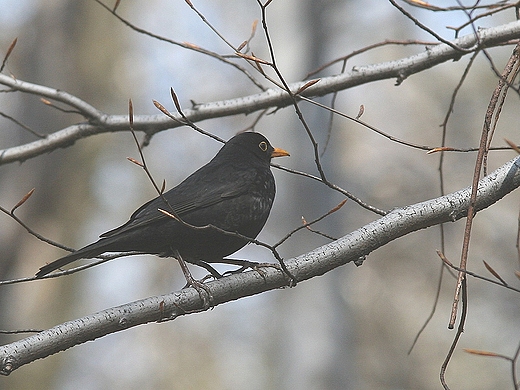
x=351, y=328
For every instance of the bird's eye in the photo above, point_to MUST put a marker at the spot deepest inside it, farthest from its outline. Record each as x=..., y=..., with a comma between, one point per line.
x=263, y=146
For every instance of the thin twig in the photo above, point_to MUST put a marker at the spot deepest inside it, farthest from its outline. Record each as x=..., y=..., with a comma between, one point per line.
x=432, y=311
x=334, y=187
x=457, y=337
x=25, y=127
x=430, y=31
x=184, y=45
x=8, y=53
x=500, y=283
x=308, y=224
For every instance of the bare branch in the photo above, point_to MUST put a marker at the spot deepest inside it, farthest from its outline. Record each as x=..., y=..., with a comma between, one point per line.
x=99, y=122
x=351, y=247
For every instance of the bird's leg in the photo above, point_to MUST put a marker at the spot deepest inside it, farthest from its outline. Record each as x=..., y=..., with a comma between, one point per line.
x=244, y=264
x=202, y=289
x=208, y=267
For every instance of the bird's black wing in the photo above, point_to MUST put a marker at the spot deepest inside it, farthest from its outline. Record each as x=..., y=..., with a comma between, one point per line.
x=196, y=192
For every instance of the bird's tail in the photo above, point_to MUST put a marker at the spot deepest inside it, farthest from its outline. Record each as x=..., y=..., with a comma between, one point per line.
x=86, y=252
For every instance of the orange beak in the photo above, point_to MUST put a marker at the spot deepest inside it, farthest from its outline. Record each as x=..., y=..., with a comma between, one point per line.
x=277, y=152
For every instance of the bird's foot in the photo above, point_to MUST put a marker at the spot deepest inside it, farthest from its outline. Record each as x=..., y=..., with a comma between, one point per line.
x=260, y=268
x=203, y=291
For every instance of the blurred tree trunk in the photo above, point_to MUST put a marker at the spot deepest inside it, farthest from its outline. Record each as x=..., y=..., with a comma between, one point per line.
x=51, y=51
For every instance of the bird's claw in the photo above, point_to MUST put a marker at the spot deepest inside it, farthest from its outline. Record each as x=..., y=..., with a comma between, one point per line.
x=203, y=291
x=253, y=265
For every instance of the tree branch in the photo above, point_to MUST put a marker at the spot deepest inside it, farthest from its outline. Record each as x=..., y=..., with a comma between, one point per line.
x=352, y=247
x=99, y=122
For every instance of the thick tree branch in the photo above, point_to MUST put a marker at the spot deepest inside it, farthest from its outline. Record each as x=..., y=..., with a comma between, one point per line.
x=99, y=122
x=352, y=247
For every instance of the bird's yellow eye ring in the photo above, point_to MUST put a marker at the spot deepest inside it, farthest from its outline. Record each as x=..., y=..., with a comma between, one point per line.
x=263, y=146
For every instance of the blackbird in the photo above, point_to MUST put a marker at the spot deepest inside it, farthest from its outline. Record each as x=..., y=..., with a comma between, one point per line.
x=233, y=193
